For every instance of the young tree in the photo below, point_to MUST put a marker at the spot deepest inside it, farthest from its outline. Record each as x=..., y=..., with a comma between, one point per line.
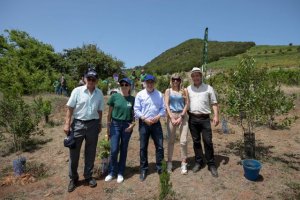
x=254, y=98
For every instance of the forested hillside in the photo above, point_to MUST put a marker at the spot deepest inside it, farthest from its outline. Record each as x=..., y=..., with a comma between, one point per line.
x=189, y=54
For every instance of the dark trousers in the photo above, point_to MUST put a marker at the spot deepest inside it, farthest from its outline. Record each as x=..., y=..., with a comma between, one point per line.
x=89, y=132
x=119, y=140
x=198, y=127
x=156, y=133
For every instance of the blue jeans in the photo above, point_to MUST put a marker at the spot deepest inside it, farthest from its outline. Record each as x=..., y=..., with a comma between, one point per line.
x=119, y=140
x=156, y=133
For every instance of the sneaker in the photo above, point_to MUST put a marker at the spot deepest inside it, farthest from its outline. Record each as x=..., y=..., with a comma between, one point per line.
x=120, y=179
x=169, y=167
x=184, y=168
x=109, y=177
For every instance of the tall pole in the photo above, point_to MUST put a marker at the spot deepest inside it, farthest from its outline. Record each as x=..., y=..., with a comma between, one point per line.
x=205, y=49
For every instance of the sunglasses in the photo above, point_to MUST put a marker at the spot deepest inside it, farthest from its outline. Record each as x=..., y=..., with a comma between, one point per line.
x=176, y=79
x=91, y=79
x=124, y=84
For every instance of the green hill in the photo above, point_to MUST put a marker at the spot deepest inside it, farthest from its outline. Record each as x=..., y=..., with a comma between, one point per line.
x=189, y=54
x=265, y=56
x=222, y=55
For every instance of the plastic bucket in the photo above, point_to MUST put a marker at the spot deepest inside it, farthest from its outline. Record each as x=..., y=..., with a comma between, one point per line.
x=251, y=169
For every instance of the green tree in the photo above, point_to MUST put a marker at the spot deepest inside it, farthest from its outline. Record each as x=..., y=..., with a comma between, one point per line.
x=77, y=60
x=254, y=98
x=19, y=119
x=26, y=65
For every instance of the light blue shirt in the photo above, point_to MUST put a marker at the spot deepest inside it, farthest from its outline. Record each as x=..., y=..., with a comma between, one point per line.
x=149, y=105
x=86, y=105
x=176, y=101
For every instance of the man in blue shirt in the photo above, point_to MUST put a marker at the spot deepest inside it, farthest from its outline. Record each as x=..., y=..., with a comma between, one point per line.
x=85, y=106
x=149, y=107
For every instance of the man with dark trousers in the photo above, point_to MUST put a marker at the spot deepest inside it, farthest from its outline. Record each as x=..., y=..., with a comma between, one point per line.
x=85, y=106
x=202, y=98
x=149, y=107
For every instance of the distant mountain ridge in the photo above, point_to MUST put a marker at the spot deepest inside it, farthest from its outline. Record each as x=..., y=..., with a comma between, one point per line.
x=189, y=54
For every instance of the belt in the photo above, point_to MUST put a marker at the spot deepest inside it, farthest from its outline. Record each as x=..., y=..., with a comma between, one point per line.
x=85, y=121
x=203, y=116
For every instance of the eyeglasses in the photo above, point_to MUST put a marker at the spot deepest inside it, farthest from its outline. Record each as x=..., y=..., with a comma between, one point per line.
x=176, y=79
x=91, y=79
x=126, y=85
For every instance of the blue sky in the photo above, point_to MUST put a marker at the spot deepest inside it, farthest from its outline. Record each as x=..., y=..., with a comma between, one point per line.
x=136, y=31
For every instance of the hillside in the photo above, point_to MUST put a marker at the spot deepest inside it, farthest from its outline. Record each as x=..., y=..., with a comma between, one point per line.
x=265, y=56
x=189, y=54
x=222, y=55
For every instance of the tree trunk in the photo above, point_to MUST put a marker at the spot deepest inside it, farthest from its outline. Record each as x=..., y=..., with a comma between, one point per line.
x=249, y=145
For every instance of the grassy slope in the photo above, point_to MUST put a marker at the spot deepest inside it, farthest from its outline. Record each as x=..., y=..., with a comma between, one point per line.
x=265, y=56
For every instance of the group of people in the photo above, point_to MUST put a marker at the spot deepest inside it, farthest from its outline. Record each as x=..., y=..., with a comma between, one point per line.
x=185, y=108
x=60, y=86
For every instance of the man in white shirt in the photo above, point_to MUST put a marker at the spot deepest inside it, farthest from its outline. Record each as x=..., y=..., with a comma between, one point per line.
x=85, y=106
x=202, y=98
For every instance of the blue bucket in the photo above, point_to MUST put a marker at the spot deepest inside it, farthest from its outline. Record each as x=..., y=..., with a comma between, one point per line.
x=251, y=169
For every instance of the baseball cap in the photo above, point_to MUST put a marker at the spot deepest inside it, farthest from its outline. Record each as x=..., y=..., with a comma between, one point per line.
x=91, y=74
x=149, y=77
x=127, y=80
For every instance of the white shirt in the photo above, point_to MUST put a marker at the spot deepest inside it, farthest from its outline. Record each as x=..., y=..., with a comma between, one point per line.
x=86, y=106
x=201, y=98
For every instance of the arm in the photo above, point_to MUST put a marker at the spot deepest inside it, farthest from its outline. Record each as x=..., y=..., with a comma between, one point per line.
x=162, y=110
x=109, y=120
x=68, y=119
x=100, y=120
x=216, y=114
x=167, y=104
x=186, y=102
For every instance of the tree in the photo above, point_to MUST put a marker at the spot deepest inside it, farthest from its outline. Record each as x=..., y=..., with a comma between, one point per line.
x=26, y=65
x=77, y=60
x=19, y=119
x=253, y=98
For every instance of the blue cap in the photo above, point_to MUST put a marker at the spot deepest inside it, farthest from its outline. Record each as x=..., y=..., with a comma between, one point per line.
x=149, y=77
x=127, y=80
x=91, y=73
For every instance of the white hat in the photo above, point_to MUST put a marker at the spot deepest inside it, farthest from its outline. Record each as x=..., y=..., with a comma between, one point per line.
x=196, y=69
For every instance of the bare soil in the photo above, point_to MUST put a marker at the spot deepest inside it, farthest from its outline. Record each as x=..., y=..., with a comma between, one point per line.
x=278, y=150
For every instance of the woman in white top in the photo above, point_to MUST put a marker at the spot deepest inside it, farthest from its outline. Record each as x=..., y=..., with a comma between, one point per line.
x=177, y=103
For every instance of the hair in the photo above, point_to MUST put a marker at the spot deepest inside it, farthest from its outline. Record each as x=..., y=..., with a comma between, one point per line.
x=180, y=87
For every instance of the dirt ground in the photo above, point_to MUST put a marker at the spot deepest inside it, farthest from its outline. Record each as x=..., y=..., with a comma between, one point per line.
x=279, y=176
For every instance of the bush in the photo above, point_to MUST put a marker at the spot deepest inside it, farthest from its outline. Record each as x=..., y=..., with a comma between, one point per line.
x=43, y=108
x=165, y=184
x=18, y=119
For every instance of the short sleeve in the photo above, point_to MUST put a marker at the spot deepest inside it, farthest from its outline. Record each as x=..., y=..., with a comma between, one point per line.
x=213, y=98
x=110, y=101
x=72, y=100
x=101, y=105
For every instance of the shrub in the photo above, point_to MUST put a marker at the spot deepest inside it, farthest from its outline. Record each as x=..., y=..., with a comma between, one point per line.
x=19, y=119
x=165, y=184
x=43, y=107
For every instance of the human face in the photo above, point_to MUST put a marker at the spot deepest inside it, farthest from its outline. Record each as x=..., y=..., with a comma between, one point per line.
x=125, y=87
x=91, y=82
x=176, y=82
x=197, y=78
x=150, y=85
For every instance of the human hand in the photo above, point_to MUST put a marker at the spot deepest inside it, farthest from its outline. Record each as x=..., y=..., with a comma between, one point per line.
x=66, y=128
x=216, y=121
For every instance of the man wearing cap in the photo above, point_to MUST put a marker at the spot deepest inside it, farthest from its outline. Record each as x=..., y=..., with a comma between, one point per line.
x=85, y=106
x=149, y=108
x=202, y=98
